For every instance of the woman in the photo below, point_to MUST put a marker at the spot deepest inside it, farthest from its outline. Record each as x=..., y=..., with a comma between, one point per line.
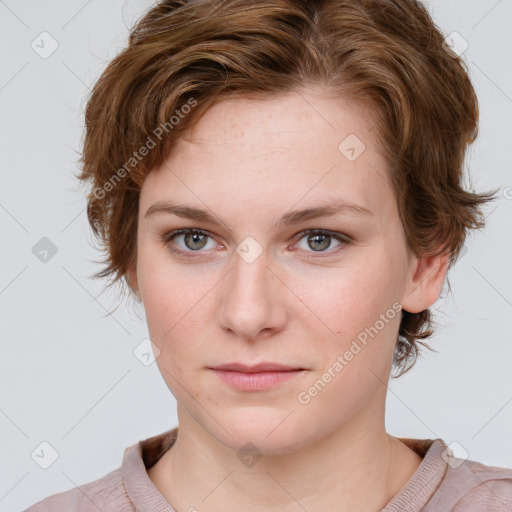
x=279, y=184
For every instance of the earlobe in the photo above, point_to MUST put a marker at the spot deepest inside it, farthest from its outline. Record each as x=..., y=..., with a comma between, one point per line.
x=425, y=283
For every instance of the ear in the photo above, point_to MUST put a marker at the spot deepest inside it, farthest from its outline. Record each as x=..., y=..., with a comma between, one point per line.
x=424, y=282
x=131, y=279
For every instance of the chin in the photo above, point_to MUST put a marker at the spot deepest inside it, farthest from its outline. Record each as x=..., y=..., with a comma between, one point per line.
x=271, y=431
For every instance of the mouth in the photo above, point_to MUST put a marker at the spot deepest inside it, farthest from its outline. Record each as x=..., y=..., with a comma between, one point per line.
x=256, y=377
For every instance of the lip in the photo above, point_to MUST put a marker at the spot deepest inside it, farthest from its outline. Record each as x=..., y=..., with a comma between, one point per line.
x=257, y=377
x=261, y=367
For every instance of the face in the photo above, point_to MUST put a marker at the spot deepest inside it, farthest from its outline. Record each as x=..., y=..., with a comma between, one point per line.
x=255, y=283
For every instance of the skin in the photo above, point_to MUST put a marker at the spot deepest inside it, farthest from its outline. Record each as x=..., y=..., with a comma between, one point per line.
x=251, y=161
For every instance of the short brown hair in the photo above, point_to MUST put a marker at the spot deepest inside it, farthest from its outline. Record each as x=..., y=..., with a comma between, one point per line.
x=386, y=55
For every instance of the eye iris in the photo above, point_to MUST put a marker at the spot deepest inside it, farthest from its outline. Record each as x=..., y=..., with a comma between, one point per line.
x=196, y=238
x=323, y=239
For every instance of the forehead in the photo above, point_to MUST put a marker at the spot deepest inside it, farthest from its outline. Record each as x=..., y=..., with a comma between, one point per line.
x=302, y=118
x=275, y=151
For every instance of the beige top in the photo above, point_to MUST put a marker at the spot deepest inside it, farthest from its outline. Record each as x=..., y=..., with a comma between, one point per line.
x=441, y=483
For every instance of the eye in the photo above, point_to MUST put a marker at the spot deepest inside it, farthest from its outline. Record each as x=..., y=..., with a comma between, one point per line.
x=192, y=240
x=319, y=240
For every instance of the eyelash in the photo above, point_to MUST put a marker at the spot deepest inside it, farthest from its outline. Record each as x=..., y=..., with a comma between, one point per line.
x=169, y=236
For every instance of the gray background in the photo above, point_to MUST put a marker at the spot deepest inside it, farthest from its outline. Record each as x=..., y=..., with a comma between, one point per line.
x=68, y=375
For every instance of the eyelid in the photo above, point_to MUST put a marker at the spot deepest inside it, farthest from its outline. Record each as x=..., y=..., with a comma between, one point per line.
x=344, y=239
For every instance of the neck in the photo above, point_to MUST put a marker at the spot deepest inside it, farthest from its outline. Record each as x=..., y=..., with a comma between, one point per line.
x=357, y=467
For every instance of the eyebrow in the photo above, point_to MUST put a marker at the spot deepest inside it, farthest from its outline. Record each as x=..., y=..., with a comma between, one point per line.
x=289, y=218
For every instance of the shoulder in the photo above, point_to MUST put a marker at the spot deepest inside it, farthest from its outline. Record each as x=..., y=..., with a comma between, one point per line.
x=105, y=494
x=445, y=482
x=121, y=490
x=490, y=488
x=470, y=486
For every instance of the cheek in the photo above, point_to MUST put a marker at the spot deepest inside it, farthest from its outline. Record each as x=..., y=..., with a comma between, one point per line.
x=176, y=308
x=349, y=299
x=172, y=325
x=359, y=323
x=163, y=289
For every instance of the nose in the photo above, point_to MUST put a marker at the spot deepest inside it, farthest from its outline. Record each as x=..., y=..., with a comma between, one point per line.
x=252, y=304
